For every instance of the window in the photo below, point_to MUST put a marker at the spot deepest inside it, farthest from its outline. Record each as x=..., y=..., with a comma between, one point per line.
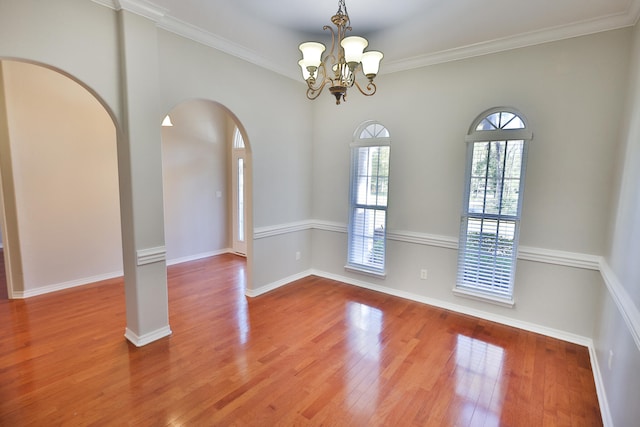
x=238, y=195
x=490, y=223
x=368, y=198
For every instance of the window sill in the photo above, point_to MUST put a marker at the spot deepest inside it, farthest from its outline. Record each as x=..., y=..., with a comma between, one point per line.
x=479, y=296
x=361, y=270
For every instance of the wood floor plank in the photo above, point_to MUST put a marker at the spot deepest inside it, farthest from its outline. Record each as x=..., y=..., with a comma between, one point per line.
x=314, y=352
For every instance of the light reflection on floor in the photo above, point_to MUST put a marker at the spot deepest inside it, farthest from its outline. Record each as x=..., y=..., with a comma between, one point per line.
x=362, y=379
x=242, y=316
x=242, y=319
x=478, y=375
x=365, y=325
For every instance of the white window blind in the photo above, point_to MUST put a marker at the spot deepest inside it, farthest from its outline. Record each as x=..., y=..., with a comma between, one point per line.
x=368, y=198
x=490, y=222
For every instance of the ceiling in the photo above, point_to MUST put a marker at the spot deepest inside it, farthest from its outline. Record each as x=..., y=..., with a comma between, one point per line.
x=411, y=33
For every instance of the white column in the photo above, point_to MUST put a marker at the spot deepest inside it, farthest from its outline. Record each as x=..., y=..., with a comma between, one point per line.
x=140, y=171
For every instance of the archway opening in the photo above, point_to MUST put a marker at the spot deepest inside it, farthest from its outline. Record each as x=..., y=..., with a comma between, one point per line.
x=60, y=196
x=206, y=182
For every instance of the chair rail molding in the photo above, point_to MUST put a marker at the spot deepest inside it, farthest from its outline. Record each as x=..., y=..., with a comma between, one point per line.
x=151, y=255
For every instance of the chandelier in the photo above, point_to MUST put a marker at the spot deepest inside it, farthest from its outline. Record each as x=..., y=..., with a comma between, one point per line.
x=345, y=59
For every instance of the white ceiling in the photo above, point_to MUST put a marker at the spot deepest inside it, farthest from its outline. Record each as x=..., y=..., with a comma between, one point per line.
x=411, y=33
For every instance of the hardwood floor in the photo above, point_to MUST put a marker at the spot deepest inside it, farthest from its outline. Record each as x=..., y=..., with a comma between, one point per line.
x=315, y=352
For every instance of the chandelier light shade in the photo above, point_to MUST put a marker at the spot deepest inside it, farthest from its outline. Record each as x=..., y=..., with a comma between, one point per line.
x=345, y=61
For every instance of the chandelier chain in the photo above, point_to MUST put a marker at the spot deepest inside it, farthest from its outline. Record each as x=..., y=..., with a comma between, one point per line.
x=342, y=8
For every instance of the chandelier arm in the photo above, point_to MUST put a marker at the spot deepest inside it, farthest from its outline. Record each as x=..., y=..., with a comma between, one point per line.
x=370, y=88
x=313, y=93
x=331, y=55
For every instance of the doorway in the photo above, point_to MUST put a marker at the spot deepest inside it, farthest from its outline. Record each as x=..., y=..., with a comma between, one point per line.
x=206, y=182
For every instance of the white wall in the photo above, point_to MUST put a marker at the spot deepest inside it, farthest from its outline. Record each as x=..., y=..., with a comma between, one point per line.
x=569, y=91
x=618, y=330
x=626, y=228
x=195, y=169
x=63, y=148
x=78, y=37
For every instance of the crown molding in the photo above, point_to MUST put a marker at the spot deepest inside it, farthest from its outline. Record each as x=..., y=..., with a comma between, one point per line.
x=165, y=21
x=547, y=35
x=107, y=3
x=222, y=44
x=143, y=8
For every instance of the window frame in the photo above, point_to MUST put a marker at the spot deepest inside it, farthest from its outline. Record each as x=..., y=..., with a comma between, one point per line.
x=238, y=190
x=492, y=292
x=357, y=144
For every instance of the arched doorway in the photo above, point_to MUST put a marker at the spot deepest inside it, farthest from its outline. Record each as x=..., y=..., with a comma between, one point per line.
x=60, y=196
x=207, y=183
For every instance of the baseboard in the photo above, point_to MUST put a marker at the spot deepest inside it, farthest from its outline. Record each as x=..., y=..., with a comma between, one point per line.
x=88, y=280
x=275, y=285
x=140, y=340
x=65, y=285
x=605, y=411
x=527, y=326
x=199, y=256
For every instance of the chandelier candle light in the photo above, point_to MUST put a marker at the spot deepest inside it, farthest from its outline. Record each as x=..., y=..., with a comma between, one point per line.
x=346, y=57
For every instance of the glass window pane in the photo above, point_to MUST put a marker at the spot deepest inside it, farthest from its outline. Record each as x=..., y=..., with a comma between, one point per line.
x=513, y=164
x=510, y=195
x=372, y=182
x=512, y=122
x=241, y=200
x=479, y=162
x=501, y=120
x=238, y=141
x=477, y=194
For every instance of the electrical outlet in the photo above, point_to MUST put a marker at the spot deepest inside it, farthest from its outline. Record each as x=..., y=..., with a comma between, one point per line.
x=298, y=256
x=423, y=274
